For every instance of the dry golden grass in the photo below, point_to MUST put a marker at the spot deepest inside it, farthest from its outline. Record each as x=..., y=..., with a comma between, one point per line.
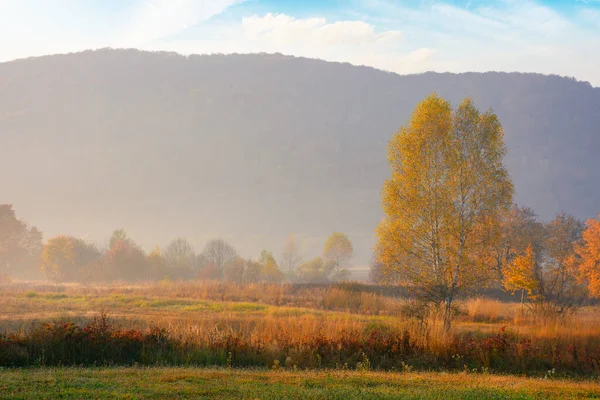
x=316, y=297
x=192, y=303
x=483, y=309
x=272, y=315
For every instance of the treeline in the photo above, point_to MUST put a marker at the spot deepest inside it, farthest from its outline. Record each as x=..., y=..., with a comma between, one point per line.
x=69, y=259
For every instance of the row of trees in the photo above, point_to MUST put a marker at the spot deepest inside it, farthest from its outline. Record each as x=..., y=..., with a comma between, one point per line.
x=557, y=267
x=450, y=225
x=71, y=259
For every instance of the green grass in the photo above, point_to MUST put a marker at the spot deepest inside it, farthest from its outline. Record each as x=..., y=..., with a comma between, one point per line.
x=52, y=296
x=123, y=302
x=179, y=383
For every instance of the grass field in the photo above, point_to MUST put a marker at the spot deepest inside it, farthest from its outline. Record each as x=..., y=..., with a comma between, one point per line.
x=181, y=383
x=219, y=340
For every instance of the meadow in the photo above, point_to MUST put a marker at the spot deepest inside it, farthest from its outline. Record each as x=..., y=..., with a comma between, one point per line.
x=342, y=327
x=178, y=383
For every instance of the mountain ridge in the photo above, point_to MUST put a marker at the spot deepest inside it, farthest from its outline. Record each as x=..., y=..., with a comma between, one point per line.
x=283, y=56
x=252, y=147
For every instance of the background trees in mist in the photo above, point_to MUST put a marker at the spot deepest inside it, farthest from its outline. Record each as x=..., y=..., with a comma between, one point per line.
x=216, y=254
x=20, y=245
x=69, y=259
x=290, y=257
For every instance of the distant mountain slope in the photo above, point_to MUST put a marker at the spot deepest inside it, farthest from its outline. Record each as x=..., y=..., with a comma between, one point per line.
x=252, y=147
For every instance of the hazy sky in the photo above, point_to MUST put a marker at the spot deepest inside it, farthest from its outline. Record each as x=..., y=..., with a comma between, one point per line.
x=552, y=36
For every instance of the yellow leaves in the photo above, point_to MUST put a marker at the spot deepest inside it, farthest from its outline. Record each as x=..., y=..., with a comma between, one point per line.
x=155, y=253
x=63, y=257
x=270, y=269
x=338, y=249
x=58, y=254
x=445, y=196
x=589, y=252
x=520, y=274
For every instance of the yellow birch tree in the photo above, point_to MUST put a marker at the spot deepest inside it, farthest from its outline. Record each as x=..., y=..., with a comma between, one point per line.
x=520, y=274
x=444, y=200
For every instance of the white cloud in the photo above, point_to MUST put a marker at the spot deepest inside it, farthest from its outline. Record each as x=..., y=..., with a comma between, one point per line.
x=38, y=27
x=353, y=41
x=281, y=28
x=156, y=19
x=404, y=37
x=508, y=35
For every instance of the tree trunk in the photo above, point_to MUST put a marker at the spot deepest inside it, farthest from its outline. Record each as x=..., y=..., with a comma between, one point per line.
x=447, y=314
x=522, y=300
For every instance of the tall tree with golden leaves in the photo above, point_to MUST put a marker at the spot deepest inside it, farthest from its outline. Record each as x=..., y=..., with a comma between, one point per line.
x=444, y=201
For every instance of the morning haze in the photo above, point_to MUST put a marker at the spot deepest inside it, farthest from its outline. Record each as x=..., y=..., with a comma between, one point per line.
x=254, y=147
x=267, y=199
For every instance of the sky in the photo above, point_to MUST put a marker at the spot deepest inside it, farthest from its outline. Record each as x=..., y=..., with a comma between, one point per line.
x=551, y=37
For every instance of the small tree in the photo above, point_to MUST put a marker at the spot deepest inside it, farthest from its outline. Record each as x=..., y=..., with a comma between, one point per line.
x=252, y=271
x=216, y=254
x=290, y=258
x=20, y=246
x=270, y=270
x=233, y=271
x=519, y=229
x=125, y=260
x=550, y=275
x=179, y=255
x=118, y=235
x=521, y=273
x=68, y=259
x=560, y=291
x=338, y=251
x=316, y=270
x=58, y=259
x=589, y=252
x=157, y=265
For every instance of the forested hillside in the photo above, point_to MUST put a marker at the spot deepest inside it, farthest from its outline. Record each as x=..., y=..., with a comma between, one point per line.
x=253, y=147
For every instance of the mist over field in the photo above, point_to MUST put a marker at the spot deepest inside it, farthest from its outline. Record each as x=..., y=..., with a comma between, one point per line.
x=254, y=147
x=289, y=200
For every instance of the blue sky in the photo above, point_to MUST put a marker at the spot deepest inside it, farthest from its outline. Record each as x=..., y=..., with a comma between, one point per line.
x=551, y=36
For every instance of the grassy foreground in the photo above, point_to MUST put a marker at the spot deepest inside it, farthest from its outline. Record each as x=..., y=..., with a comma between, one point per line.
x=180, y=383
x=204, y=323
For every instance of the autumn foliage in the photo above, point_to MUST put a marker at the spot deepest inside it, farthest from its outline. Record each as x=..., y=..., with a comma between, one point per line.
x=589, y=251
x=444, y=202
x=520, y=274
